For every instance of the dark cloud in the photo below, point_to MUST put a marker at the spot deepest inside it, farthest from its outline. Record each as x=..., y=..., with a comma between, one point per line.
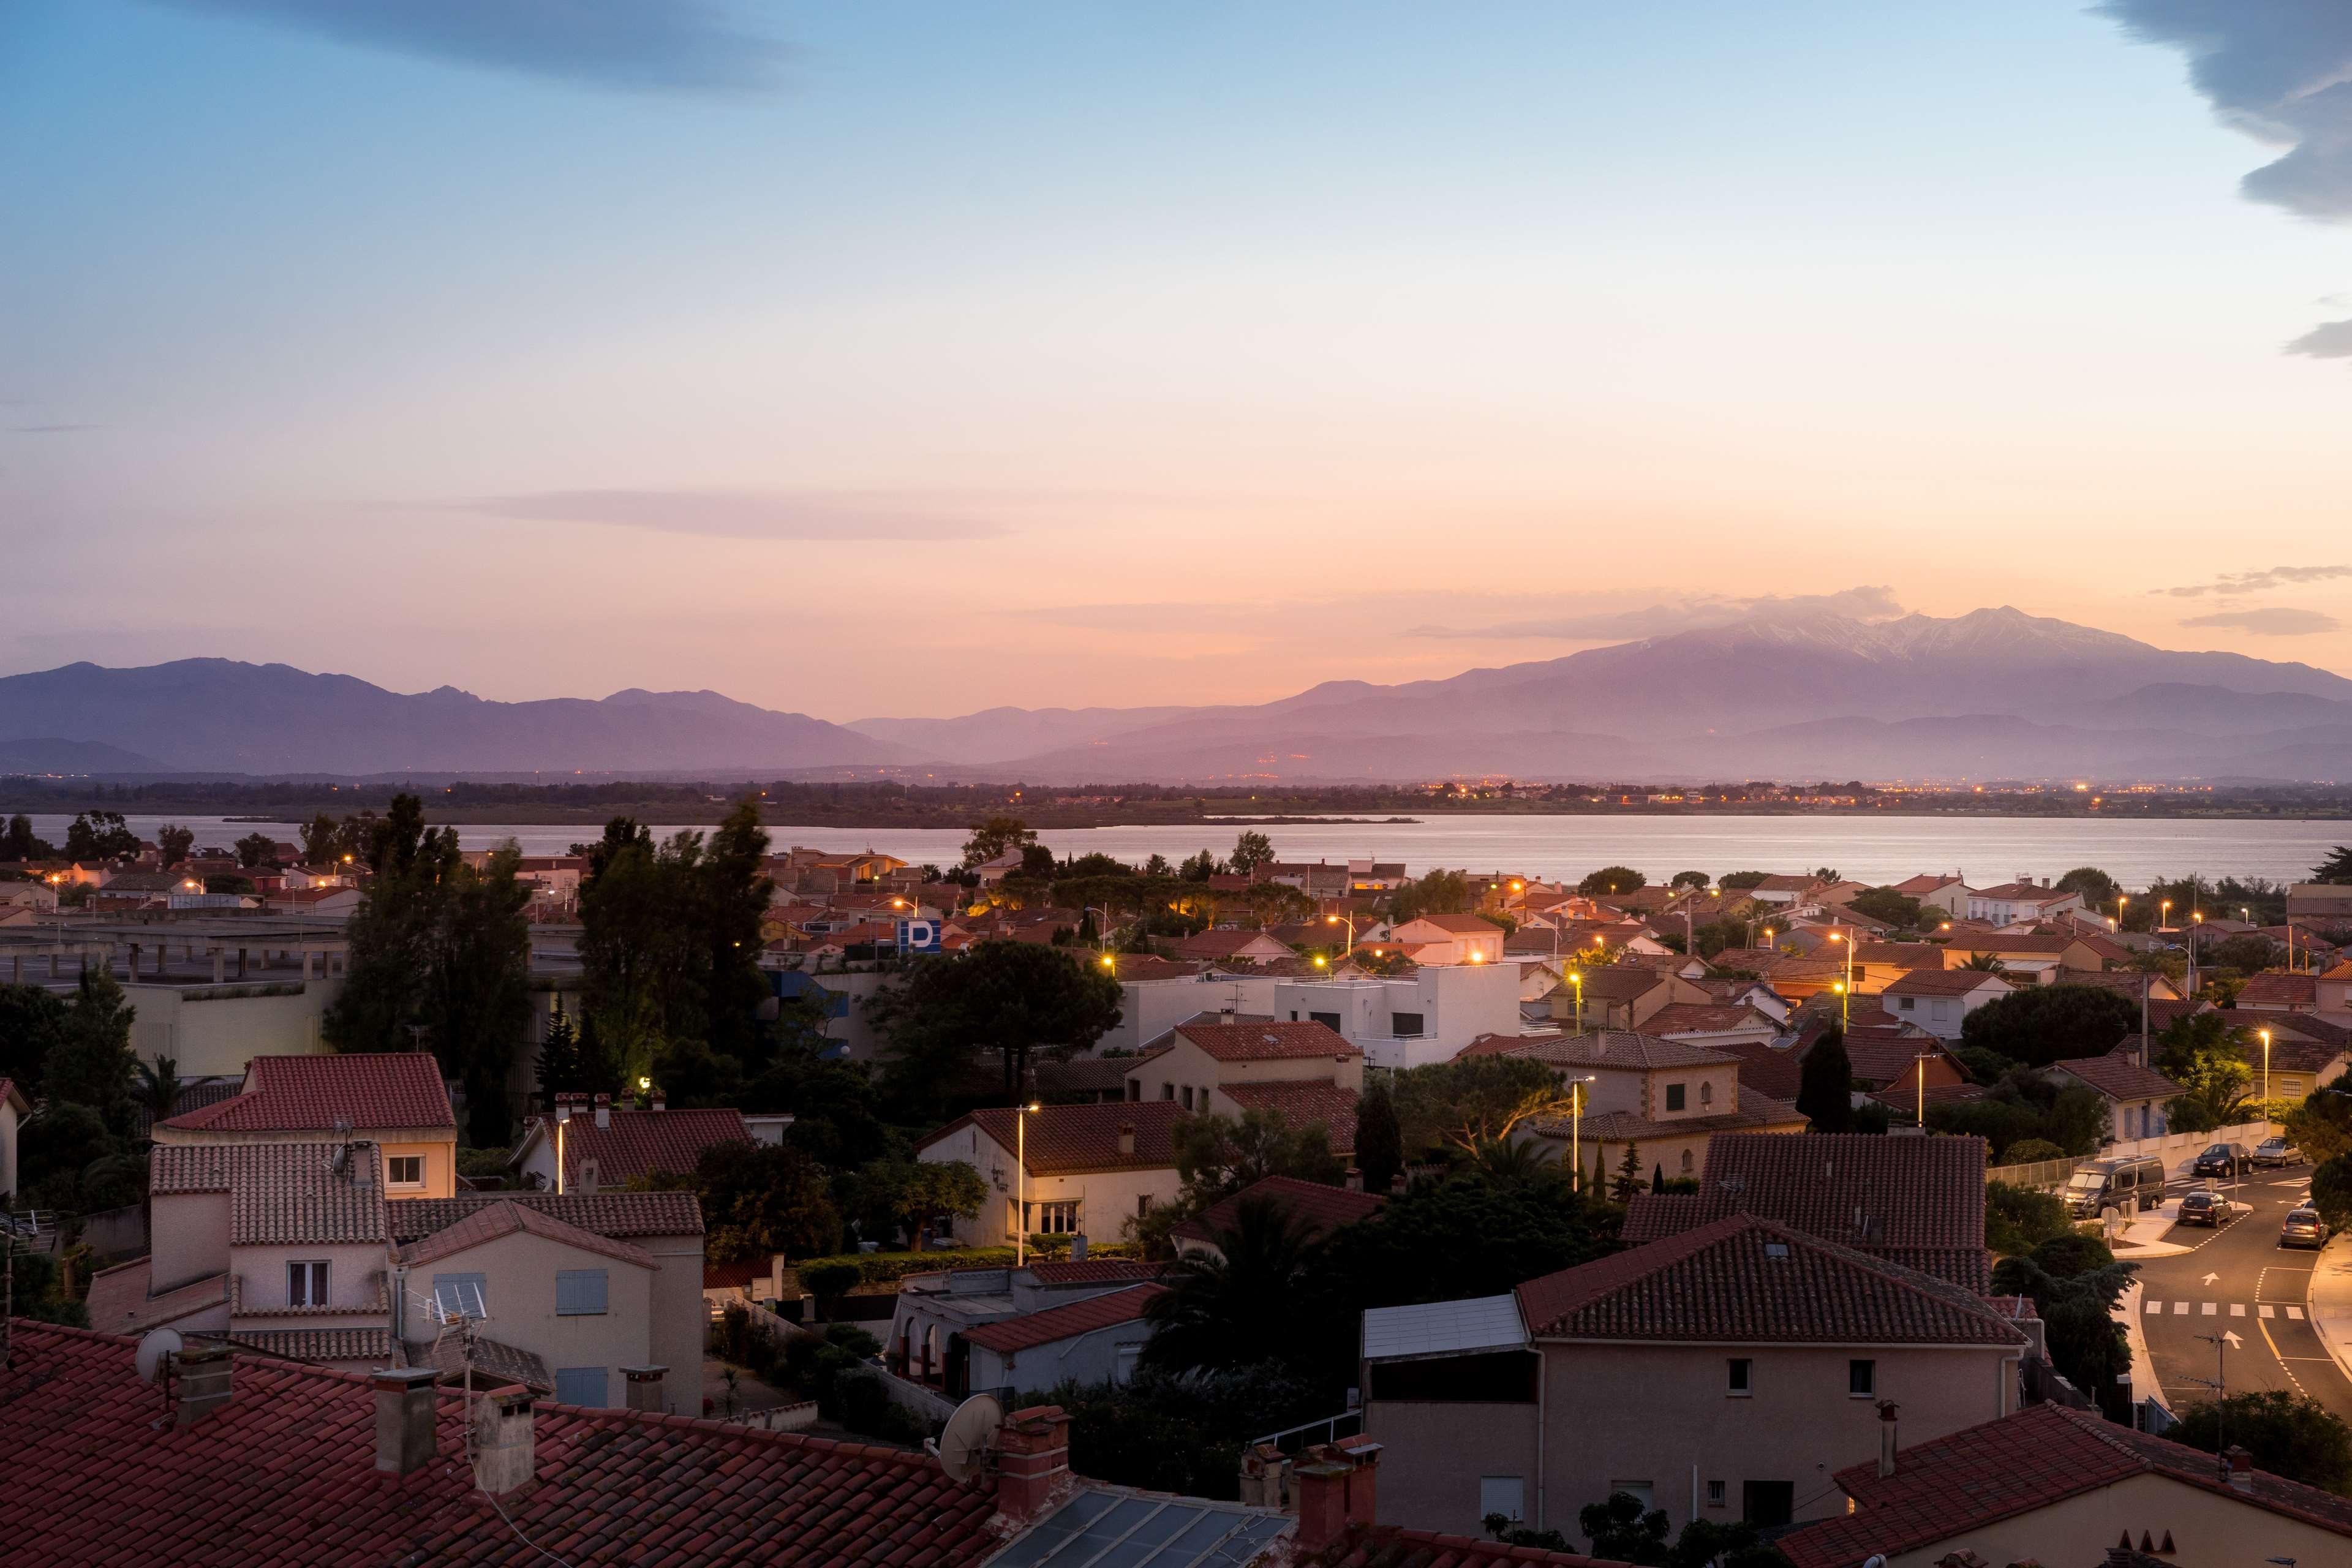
x=2269, y=621
x=678, y=46
x=2329, y=340
x=1873, y=603
x=743, y=514
x=2256, y=582
x=2279, y=70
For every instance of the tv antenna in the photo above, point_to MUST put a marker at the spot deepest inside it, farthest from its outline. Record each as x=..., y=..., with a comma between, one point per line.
x=964, y=1443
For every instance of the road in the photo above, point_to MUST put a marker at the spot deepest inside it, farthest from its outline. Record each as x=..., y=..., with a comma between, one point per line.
x=2239, y=1281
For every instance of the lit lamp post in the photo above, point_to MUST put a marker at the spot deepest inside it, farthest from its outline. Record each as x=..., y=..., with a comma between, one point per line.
x=1575, y=1127
x=645, y=1092
x=1021, y=1183
x=1343, y=921
x=1845, y=1003
x=1575, y=978
x=1846, y=989
x=2266, y=1073
x=1102, y=934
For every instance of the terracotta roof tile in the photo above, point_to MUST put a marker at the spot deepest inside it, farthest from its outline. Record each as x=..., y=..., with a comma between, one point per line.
x=280, y=1193
x=639, y=1142
x=492, y=1363
x=2119, y=1078
x=371, y=1091
x=1391, y=1546
x=1066, y=1138
x=1706, y=1018
x=1267, y=1042
x=120, y=1300
x=286, y=1472
x=1007, y=1336
x=1754, y=1112
x=1765, y=1070
x=318, y=1344
x=1303, y=1103
x=1094, y=1271
x=605, y=1213
x=1322, y=1209
x=2278, y=989
x=1620, y=1048
x=493, y=1220
x=1940, y=983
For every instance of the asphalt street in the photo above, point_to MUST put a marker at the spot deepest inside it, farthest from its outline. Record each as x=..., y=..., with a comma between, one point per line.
x=2238, y=1285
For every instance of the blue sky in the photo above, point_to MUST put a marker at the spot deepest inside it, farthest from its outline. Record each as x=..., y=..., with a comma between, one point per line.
x=891, y=358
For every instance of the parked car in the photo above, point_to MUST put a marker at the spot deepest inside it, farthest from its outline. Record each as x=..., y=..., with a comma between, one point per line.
x=2222, y=1160
x=2125, y=1185
x=2202, y=1207
x=2273, y=1153
x=2303, y=1228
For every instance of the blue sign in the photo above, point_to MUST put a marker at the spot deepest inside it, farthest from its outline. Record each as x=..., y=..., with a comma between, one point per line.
x=918, y=936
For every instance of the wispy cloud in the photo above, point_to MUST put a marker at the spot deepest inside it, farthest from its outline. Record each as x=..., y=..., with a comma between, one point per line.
x=743, y=514
x=676, y=45
x=2232, y=583
x=2270, y=621
x=1869, y=603
x=2329, y=340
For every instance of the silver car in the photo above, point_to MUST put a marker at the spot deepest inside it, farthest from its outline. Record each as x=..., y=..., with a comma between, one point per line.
x=2303, y=1228
x=2273, y=1153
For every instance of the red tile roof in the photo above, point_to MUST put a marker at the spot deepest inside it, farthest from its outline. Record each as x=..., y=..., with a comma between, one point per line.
x=1094, y=1271
x=1146, y=967
x=1894, y=1059
x=120, y=1300
x=1303, y=1103
x=1067, y=1138
x=2119, y=1078
x=1222, y=943
x=605, y=1213
x=2278, y=989
x=2002, y=1470
x=1748, y=1281
x=279, y=1194
x=1621, y=983
x=1392, y=1546
x=494, y=1220
x=371, y=1091
x=1940, y=983
x=286, y=1472
x=1460, y=925
x=639, y=1142
x=1706, y=1018
x=1321, y=1209
x=1755, y=1112
x=1007, y=1336
x=318, y=1345
x=1620, y=1048
x=1916, y=1201
x=1267, y=1042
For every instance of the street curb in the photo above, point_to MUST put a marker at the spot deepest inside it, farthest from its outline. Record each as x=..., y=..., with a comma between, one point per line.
x=2127, y=1308
x=2332, y=1323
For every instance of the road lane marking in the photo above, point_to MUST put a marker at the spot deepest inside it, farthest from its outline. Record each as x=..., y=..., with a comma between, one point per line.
x=2156, y=1307
x=2208, y=1309
x=2268, y=1310
x=2284, y=1368
x=2179, y=1308
x=2295, y=1312
x=2237, y=1309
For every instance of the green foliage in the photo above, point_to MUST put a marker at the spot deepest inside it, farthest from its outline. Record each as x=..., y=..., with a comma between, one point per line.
x=41, y=1294
x=2331, y=1191
x=1248, y=1305
x=2087, y=1345
x=90, y=1061
x=2202, y=1053
x=2289, y=1435
x=1219, y=1155
x=1009, y=997
x=1740, y=881
x=32, y=1021
x=1887, y=907
x=2018, y=1219
x=17, y=843
x=2042, y=1024
x=1984, y=1065
x=1180, y=1433
x=2337, y=869
x=1471, y=1101
x=479, y=1165
x=757, y=1199
x=173, y=843
x=1825, y=1084
x=2027, y=1150
x=827, y=1281
x=1688, y=880
x=1611, y=879
x=1439, y=893
x=993, y=837
x=2322, y=1125
x=256, y=850
x=1622, y=1531
x=1251, y=850
x=158, y=1088
x=1628, y=1180
x=2073, y=1254
x=2025, y=1107
x=2096, y=888
x=891, y=1195
x=99, y=836
x=1380, y=1138
x=1985, y=963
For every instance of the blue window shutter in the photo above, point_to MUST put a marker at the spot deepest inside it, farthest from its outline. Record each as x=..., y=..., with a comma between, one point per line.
x=469, y=1293
x=580, y=1292
x=581, y=1386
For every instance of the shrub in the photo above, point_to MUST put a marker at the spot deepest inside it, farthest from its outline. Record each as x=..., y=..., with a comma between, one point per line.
x=2331, y=1191
x=2288, y=1435
x=2018, y=1219
x=2065, y=1257
x=826, y=1280
x=2027, y=1150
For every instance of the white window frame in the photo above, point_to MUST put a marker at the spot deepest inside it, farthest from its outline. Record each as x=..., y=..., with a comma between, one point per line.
x=306, y=1283
x=392, y=1165
x=1871, y=1375
x=1739, y=1377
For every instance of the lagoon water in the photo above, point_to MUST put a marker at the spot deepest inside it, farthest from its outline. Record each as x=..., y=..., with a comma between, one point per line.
x=1875, y=848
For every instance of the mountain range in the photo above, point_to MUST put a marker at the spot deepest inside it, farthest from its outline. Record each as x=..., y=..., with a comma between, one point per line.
x=1994, y=693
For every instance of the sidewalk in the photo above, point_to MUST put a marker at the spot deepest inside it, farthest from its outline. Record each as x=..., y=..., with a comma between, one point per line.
x=2143, y=1365
x=2143, y=1234
x=2330, y=1301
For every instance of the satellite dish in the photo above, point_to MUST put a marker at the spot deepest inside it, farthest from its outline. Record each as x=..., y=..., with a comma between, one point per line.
x=963, y=1443
x=156, y=1349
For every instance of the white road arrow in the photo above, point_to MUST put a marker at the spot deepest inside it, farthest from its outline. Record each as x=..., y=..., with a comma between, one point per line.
x=2234, y=1341
x=2211, y=1278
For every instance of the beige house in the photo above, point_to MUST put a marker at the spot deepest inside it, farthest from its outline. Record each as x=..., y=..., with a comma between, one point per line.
x=1450, y=938
x=1621, y=995
x=1715, y=1375
x=1062, y=1170
x=393, y=1101
x=2136, y=1096
x=2054, y=1485
x=1662, y=1099
x=1228, y=1068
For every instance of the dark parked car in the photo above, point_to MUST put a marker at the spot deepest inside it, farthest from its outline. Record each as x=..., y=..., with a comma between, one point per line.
x=2303, y=1228
x=2202, y=1207
x=2128, y=1185
x=2222, y=1160
x=2273, y=1153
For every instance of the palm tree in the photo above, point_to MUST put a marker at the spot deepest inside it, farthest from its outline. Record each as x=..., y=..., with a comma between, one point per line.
x=1986, y=964
x=1501, y=1160
x=1239, y=1309
x=158, y=1088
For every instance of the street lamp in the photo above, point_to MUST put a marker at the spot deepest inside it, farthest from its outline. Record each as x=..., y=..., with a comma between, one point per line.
x=2266, y=1072
x=2164, y=914
x=1845, y=1003
x=1343, y=921
x=1576, y=1126
x=1575, y=978
x=1021, y=1116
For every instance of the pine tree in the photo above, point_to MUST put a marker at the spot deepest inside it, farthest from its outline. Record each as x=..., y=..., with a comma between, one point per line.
x=91, y=1063
x=1629, y=1175
x=1380, y=1142
x=2336, y=868
x=559, y=1056
x=1825, y=1085
x=1658, y=1178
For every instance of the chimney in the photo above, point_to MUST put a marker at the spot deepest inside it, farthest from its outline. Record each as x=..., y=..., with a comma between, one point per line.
x=1353, y=1180
x=1078, y=1247
x=1397, y=1185
x=205, y=1381
x=2241, y=1469
x=587, y=1176
x=603, y=1112
x=1319, y=1487
x=1364, y=1484
x=1886, y=1443
x=661, y=1099
x=406, y=1435
x=1032, y=1461
x=503, y=1459
x=1264, y=1468
x=1127, y=1138
x=564, y=1108
x=644, y=1386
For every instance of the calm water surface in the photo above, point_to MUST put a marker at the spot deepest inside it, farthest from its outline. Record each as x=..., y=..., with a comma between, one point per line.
x=1984, y=850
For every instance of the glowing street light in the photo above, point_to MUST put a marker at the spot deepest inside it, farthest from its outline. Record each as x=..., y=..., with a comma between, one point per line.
x=2266, y=1070
x=1343, y=921
x=1021, y=1183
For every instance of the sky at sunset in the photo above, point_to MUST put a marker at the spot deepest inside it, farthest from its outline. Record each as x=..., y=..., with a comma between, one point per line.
x=880, y=358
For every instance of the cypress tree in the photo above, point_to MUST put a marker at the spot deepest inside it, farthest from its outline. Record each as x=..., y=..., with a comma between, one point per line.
x=1825, y=1086
x=1379, y=1140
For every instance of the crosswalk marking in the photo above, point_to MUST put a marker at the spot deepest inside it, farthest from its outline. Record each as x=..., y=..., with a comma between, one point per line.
x=2156, y=1307
x=2237, y=1309
x=2268, y=1310
x=2295, y=1312
x=2179, y=1308
x=2208, y=1309
x=2213, y=1309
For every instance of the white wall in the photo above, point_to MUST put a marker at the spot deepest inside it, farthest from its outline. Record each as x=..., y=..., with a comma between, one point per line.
x=1106, y=1199
x=210, y=1031
x=519, y=1293
x=1089, y=1358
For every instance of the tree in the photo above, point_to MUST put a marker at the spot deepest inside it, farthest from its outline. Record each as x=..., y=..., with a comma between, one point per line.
x=1740, y=881
x=2087, y=1345
x=174, y=842
x=1435, y=893
x=758, y=1199
x=2321, y=1126
x=994, y=837
x=889, y=1195
x=1380, y=1138
x=1629, y=1175
x=2199, y=1053
x=32, y=1021
x=99, y=836
x=558, y=1069
x=2042, y=1024
x=1622, y=1531
x=2331, y=1191
x=2018, y=1219
x=2289, y=1435
x=1008, y=997
x=1251, y=850
x=1887, y=907
x=1471, y=1100
x=256, y=850
x=158, y=1088
x=1219, y=1155
x=1827, y=873
x=1985, y=963
x=1197, y=868
x=1825, y=1085
x=2095, y=887
x=1688, y=879
x=1611, y=879
x=2337, y=869
x=17, y=843
x=1246, y=1305
x=90, y=1062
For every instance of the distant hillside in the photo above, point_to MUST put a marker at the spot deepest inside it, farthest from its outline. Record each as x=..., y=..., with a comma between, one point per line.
x=48, y=755
x=202, y=715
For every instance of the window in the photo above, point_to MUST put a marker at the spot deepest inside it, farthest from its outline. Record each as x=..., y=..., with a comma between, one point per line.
x=1188, y=1097
x=1741, y=1379
x=404, y=1171
x=581, y=1386
x=1715, y=1494
x=1328, y=1020
x=1638, y=1491
x=1134, y=1091
x=1707, y=1093
x=1053, y=1219
x=1505, y=1495
x=1408, y=1024
x=1907, y=1003
x=1687, y=1162
x=466, y=1293
x=1167, y=1091
x=1767, y=1503
x=1675, y=1096
x=306, y=1284
x=1862, y=1378
x=1142, y=1204
x=581, y=1292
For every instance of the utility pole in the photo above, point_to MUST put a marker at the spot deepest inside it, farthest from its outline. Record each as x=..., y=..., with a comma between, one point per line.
x=2220, y=1385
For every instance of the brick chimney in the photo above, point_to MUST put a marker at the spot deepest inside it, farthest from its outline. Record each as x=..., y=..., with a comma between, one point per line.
x=1335, y=1487
x=564, y=1107
x=207, y=1381
x=644, y=1386
x=1032, y=1461
x=406, y=1437
x=1265, y=1470
x=603, y=1112
x=661, y=1099
x=1888, y=1410
x=503, y=1456
x=2241, y=1467
x=1127, y=1138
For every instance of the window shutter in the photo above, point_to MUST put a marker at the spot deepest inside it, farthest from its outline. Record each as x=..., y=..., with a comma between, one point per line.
x=580, y=1292
x=581, y=1386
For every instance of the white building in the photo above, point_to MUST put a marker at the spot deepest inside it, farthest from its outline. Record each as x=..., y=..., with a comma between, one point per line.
x=1939, y=1000
x=1080, y=1170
